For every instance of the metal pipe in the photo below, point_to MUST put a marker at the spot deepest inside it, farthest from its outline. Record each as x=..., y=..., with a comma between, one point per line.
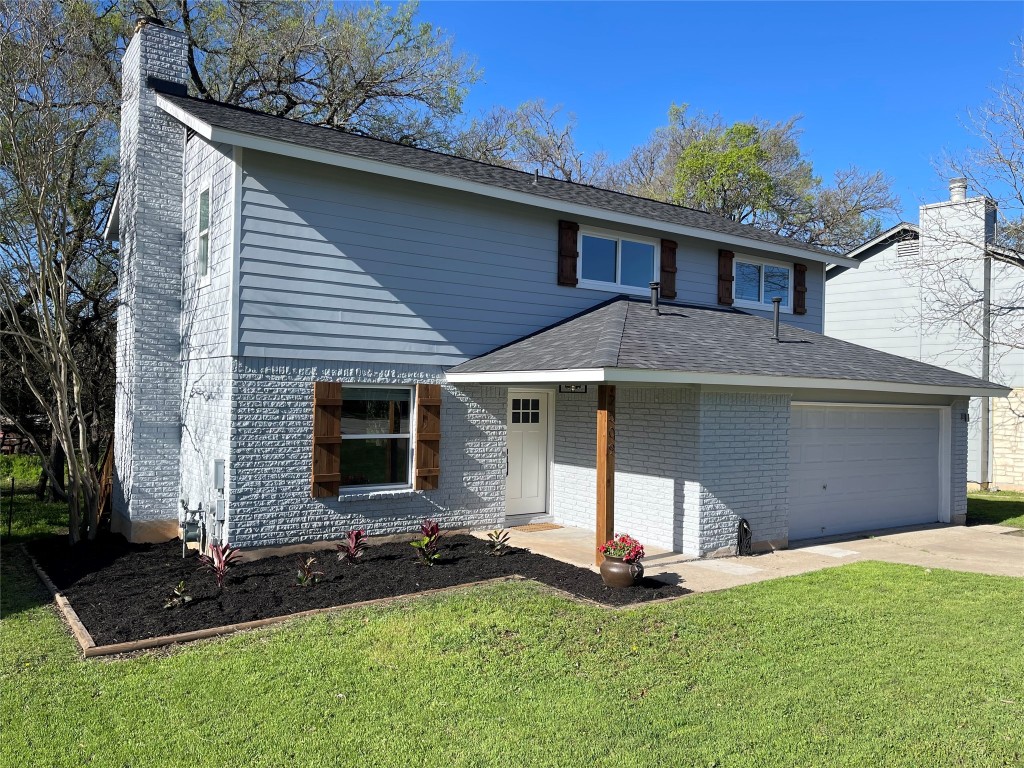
x=777, y=301
x=986, y=365
x=655, y=291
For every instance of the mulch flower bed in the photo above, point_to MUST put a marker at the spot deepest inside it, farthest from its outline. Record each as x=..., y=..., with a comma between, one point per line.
x=119, y=589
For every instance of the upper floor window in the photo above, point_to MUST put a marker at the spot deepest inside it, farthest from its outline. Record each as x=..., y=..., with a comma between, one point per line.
x=204, y=233
x=608, y=259
x=758, y=281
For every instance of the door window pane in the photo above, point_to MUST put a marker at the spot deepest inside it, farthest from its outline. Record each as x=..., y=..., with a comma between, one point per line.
x=748, y=281
x=598, y=259
x=637, y=264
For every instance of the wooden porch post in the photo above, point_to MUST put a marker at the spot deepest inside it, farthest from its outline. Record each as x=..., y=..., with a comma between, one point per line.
x=605, y=466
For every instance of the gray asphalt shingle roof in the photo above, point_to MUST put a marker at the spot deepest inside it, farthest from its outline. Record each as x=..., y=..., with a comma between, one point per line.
x=232, y=118
x=626, y=333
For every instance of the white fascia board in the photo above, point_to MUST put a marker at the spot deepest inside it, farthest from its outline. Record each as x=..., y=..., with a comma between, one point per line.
x=327, y=157
x=588, y=375
x=198, y=126
x=645, y=376
x=113, y=224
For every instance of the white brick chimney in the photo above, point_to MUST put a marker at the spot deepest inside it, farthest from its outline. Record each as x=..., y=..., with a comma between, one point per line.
x=147, y=426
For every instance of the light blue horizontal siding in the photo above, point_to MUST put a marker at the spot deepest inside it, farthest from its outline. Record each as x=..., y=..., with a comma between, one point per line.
x=339, y=265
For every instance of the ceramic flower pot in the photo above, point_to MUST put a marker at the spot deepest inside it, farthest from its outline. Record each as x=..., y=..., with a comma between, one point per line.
x=617, y=573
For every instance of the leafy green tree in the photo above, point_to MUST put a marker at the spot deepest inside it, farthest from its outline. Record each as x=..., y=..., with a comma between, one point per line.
x=754, y=172
x=372, y=69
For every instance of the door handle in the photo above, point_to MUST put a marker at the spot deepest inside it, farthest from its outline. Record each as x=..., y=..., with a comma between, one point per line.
x=506, y=462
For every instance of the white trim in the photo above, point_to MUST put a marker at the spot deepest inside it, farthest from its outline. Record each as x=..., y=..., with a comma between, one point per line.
x=787, y=308
x=113, y=224
x=618, y=286
x=378, y=167
x=945, y=413
x=234, y=278
x=348, y=490
x=630, y=375
x=879, y=239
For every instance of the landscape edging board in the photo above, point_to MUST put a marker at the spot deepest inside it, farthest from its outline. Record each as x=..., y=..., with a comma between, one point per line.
x=78, y=629
x=91, y=650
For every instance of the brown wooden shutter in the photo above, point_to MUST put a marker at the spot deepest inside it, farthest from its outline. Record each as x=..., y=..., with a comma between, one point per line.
x=725, y=277
x=568, y=253
x=799, y=289
x=326, y=476
x=668, y=269
x=428, y=437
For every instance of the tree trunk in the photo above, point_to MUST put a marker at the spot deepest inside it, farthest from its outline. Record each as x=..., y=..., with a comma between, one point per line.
x=55, y=467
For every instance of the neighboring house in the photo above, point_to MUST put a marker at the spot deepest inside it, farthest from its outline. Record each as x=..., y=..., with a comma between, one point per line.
x=887, y=304
x=322, y=331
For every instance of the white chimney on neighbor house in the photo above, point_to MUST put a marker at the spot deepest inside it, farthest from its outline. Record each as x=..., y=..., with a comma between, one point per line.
x=147, y=414
x=957, y=190
x=960, y=231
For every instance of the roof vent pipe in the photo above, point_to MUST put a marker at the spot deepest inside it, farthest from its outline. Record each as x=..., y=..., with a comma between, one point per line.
x=957, y=190
x=536, y=176
x=655, y=290
x=777, y=301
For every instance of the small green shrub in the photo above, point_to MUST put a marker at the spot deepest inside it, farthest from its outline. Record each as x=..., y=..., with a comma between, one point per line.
x=428, y=546
x=306, y=576
x=497, y=542
x=179, y=597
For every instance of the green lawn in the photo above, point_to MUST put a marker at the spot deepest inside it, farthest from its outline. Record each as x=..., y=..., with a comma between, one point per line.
x=1002, y=508
x=866, y=664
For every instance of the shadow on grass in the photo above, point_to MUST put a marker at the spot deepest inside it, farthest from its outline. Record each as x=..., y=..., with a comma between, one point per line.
x=999, y=508
x=20, y=588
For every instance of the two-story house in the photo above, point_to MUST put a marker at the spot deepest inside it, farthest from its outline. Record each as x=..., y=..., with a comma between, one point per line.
x=943, y=292
x=321, y=331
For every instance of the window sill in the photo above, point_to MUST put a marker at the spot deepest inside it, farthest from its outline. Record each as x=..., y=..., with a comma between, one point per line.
x=364, y=494
x=741, y=304
x=632, y=290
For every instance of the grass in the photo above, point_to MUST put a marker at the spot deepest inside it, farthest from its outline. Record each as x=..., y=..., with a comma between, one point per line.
x=1001, y=508
x=866, y=664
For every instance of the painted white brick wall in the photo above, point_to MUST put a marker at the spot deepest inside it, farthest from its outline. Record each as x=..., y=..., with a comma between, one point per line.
x=655, y=442
x=147, y=416
x=206, y=378
x=744, y=467
x=959, y=451
x=271, y=456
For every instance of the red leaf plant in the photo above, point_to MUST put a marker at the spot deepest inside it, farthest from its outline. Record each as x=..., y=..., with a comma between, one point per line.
x=219, y=560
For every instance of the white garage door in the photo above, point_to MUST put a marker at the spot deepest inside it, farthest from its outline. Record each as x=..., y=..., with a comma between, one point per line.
x=857, y=468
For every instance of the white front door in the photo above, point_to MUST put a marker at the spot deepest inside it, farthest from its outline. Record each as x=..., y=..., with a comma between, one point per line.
x=527, y=486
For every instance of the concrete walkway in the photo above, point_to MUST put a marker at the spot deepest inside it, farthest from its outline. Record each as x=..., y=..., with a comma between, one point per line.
x=991, y=549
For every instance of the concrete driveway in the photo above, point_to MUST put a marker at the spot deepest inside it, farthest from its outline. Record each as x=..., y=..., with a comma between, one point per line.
x=991, y=549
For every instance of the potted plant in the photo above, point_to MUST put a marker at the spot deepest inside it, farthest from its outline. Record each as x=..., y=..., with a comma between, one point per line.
x=621, y=566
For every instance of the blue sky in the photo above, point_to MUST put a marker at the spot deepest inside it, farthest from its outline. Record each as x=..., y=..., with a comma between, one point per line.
x=881, y=85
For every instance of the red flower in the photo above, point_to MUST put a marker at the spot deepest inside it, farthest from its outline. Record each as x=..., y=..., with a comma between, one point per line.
x=624, y=546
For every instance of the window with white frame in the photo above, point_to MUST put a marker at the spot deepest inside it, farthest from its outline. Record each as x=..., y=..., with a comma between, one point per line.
x=376, y=433
x=757, y=281
x=203, y=239
x=607, y=258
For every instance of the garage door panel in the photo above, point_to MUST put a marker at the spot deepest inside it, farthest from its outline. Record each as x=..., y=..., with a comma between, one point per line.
x=857, y=468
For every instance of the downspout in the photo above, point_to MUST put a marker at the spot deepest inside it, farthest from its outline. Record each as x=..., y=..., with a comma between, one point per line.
x=986, y=334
